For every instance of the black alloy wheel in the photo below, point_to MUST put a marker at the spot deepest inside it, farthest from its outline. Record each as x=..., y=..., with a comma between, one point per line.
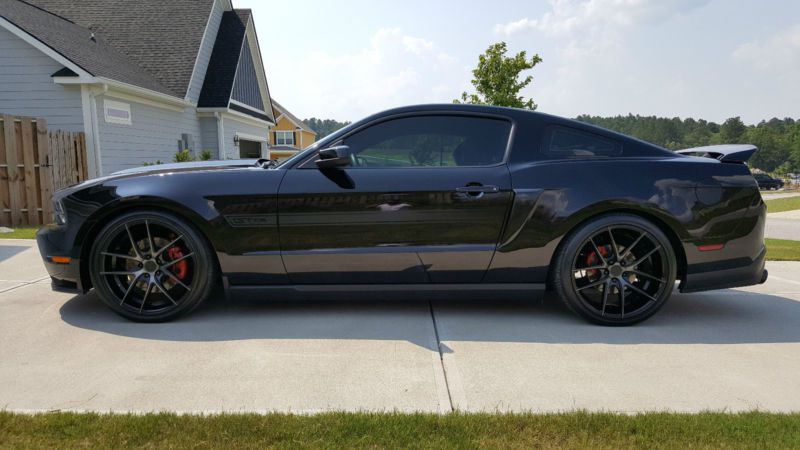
x=151, y=266
x=616, y=270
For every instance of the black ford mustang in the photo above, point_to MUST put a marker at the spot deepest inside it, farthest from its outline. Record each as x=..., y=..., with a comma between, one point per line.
x=421, y=199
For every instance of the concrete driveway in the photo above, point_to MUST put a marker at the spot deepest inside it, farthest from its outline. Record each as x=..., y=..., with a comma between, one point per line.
x=728, y=350
x=783, y=225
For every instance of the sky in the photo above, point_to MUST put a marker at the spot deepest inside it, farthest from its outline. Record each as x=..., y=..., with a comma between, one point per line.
x=709, y=59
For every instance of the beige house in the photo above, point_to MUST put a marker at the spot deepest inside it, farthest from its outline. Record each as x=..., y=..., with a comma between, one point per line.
x=289, y=135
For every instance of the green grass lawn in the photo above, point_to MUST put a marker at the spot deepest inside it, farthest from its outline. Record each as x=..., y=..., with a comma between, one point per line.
x=395, y=430
x=783, y=204
x=20, y=233
x=782, y=250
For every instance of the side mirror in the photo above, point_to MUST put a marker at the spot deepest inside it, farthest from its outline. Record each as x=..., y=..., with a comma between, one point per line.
x=338, y=156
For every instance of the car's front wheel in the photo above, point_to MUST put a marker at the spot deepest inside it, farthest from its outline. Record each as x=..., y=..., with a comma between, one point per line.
x=615, y=270
x=151, y=266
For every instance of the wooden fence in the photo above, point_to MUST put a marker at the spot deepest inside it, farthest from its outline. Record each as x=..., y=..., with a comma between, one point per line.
x=33, y=164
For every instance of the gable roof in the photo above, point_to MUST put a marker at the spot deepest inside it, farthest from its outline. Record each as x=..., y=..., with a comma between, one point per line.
x=161, y=37
x=236, y=43
x=283, y=112
x=91, y=53
x=224, y=59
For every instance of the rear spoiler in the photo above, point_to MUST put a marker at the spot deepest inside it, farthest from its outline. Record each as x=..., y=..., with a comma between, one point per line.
x=731, y=153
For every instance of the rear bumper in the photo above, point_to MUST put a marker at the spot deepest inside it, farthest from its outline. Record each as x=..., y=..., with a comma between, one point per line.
x=726, y=274
x=52, y=241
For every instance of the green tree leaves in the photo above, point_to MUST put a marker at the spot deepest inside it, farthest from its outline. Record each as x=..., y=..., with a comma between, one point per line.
x=778, y=140
x=497, y=79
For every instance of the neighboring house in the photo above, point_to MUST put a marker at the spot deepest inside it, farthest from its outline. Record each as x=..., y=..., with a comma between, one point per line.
x=141, y=78
x=289, y=135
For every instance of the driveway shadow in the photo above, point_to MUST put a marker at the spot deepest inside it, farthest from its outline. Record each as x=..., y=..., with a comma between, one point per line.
x=720, y=317
x=8, y=251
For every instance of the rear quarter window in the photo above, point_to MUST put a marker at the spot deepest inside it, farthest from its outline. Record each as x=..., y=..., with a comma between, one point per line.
x=570, y=143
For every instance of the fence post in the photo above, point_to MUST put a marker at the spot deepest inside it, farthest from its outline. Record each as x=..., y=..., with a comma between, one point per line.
x=45, y=169
x=13, y=171
x=28, y=159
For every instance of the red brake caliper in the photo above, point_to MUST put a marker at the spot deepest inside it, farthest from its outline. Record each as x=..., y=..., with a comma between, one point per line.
x=592, y=260
x=180, y=269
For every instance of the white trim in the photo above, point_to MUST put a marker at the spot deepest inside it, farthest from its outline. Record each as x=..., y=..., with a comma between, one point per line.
x=293, y=144
x=221, y=153
x=92, y=149
x=251, y=137
x=95, y=126
x=244, y=118
x=72, y=80
x=200, y=49
x=236, y=115
x=144, y=101
x=120, y=106
x=44, y=48
x=251, y=108
x=129, y=88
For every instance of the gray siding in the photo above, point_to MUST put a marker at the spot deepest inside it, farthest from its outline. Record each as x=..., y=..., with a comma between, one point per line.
x=234, y=126
x=153, y=135
x=208, y=135
x=204, y=56
x=26, y=88
x=245, y=87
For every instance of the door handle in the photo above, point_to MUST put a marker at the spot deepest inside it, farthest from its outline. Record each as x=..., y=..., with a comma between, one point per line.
x=478, y=189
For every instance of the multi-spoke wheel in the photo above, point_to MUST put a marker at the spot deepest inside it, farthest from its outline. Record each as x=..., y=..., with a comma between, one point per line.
x=615, y=270
x=151, y=266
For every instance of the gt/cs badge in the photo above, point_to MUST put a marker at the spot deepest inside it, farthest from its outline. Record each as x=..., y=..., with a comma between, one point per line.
x=250, y=220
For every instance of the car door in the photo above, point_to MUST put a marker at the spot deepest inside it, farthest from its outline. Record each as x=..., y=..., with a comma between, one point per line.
x=423, y=200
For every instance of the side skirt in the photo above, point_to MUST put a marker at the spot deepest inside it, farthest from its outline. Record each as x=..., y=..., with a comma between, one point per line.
x=442, y=291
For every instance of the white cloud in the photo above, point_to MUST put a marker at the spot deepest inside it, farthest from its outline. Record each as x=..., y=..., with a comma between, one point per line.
x=417, y=45
x=779, y=55
x=512, y=28
x=393, y=69
x=569, y=17
x=592, y=61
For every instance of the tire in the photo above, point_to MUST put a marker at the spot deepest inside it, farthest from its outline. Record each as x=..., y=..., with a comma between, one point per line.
x=615, y=270
x=150, y=266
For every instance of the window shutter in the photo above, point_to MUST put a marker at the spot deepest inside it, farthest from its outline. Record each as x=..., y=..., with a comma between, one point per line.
x=296, y=139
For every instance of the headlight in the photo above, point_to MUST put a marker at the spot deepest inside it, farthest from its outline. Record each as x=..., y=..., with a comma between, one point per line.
x=59, y=212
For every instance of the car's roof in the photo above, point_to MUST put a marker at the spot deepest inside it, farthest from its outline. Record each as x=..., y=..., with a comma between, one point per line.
x=519, y=114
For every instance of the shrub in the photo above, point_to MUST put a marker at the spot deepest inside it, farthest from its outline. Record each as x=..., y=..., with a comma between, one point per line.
x=183, y=156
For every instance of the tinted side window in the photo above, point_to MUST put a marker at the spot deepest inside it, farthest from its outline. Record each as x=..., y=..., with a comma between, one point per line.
x=431, y=141
x=571, y=143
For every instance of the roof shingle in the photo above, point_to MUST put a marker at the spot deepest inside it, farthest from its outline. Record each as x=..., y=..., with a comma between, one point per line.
x=91, y=53
x=162, y=37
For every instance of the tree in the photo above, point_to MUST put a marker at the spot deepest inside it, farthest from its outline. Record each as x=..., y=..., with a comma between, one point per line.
x=324, y=127
x=497, y=79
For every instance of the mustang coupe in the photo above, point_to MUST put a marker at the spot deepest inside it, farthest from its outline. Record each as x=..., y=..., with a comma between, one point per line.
x=421, y=199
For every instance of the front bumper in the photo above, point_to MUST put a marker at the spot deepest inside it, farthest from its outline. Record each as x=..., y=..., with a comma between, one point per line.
x=66, y=277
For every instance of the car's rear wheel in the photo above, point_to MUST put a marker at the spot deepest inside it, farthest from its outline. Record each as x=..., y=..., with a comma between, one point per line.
x=151, y=267
x=615, y=270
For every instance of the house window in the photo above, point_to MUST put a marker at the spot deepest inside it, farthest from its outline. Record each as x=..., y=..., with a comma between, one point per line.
x=284, y=138
x=117, y=112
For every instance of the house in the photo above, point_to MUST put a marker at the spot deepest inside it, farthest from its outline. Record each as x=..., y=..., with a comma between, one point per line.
x=289, y=135
x=142, y=79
